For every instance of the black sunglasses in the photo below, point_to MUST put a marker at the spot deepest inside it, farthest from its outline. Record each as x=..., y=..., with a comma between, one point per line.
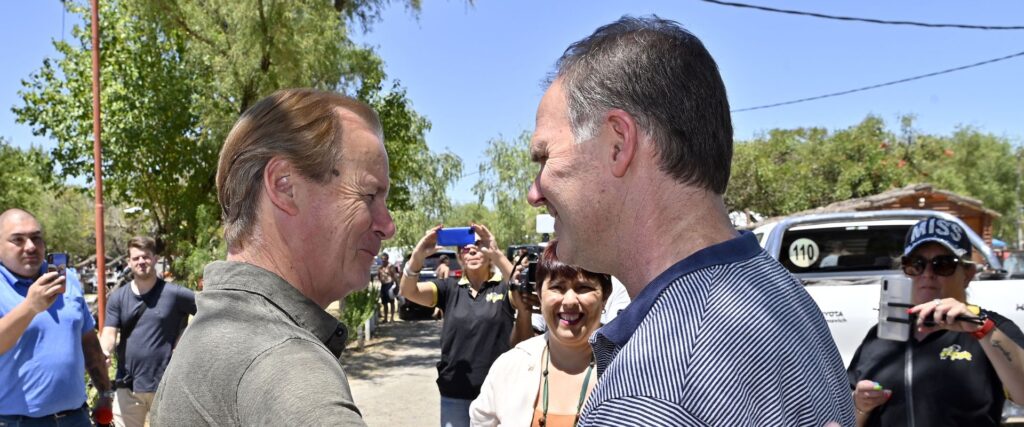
x=942, y=265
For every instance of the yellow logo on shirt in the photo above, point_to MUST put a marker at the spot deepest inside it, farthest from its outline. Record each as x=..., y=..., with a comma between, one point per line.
x=953, y=353
x=495, y=297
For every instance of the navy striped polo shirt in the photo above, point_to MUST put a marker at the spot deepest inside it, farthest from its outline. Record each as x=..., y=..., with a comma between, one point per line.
x=725, y=337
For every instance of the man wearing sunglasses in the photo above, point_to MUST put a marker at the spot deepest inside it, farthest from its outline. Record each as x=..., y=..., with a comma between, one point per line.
x=961, y=361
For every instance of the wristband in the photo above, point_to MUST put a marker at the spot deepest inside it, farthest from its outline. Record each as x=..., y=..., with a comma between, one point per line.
x=409, y=272
x=985, y=329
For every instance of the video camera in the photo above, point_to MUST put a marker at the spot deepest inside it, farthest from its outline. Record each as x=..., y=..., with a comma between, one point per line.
x=527, y=278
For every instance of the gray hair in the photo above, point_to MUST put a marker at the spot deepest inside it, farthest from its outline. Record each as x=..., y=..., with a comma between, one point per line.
x=663, y=76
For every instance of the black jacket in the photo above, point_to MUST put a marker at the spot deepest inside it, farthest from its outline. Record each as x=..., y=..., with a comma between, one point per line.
x=944, y=380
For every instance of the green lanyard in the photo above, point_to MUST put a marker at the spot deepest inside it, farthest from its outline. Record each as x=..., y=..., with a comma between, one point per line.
x=583, y=391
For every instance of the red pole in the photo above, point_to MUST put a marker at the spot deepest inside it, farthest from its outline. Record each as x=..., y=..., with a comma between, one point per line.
x=101, y=258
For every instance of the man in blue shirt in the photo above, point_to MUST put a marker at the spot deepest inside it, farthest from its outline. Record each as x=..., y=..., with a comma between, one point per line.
x=47, y=335
x=634, y=139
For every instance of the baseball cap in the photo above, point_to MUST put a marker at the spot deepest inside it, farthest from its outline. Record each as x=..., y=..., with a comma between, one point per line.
x=944, y=232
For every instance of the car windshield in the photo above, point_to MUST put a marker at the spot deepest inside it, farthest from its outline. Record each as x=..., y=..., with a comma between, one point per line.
x=840, y=249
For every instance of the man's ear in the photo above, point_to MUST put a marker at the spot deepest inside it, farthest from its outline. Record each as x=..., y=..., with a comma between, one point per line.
x=279, y=185
x=626, y=140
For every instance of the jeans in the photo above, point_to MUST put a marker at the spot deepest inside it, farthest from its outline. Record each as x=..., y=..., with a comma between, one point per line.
x=454, y=412
x=78, y=418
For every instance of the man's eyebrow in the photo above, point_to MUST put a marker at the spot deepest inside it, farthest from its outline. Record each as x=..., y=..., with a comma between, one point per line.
x=31, y=234
x=537, y=150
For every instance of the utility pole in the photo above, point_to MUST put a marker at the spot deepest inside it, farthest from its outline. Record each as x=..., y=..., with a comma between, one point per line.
x=1020, y=209
x=97, y=148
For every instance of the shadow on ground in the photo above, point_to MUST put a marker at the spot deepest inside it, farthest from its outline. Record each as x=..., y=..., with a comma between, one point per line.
x=399, y=345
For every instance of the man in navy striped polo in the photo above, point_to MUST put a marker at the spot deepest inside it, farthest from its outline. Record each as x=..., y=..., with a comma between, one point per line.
x=634, y=140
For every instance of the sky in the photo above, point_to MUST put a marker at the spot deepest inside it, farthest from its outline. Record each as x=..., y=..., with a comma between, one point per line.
x=476, y=71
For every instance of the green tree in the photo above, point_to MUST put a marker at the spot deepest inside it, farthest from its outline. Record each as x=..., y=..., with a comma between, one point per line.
x=23, y=174
x=176, y=75
x=504, y=181
x=788, y=171
x=975, y=164
x=794, y=170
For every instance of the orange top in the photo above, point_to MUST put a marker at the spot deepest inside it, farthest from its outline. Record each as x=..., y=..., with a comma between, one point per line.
x=553, y=420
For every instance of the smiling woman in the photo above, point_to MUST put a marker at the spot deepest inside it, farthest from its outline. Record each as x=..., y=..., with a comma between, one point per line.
x=544, y=381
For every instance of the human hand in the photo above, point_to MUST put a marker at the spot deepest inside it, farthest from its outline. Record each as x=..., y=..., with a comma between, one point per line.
x=103, y=413
x=46, y=289
x=487, y=244
x=426, y=246
x=524, y=302
x=517, y=274
x=868, y=395
x=944, y=312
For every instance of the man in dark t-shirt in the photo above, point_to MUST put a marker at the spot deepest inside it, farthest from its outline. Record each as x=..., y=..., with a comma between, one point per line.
x=149, y=314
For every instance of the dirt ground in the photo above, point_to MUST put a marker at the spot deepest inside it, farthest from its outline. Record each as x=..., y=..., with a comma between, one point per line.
x=392, y=378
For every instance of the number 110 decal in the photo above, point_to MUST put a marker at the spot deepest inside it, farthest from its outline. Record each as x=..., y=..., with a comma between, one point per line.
x=803, y=252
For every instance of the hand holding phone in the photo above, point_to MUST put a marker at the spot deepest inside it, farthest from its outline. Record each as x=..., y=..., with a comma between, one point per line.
x=46, y=289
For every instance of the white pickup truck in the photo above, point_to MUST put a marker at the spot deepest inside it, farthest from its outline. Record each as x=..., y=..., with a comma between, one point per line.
x=842, y=257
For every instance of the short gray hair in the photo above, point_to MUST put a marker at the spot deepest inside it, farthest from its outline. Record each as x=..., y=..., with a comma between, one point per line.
x=663, y=76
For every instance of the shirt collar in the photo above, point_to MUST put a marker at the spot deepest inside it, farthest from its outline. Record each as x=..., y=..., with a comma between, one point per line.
x=739, y=248
x=240, y=276
x=15, y=280
x=495, y=279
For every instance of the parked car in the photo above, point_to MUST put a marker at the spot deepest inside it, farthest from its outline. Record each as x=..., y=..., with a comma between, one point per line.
x=412, y=311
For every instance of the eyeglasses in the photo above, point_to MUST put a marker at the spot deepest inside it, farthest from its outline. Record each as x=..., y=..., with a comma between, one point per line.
x=942, y=265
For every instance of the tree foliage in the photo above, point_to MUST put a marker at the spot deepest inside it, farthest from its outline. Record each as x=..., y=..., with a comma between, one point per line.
x=504, y=181
x=22, y=176
x=176, y=75
x=787, y=171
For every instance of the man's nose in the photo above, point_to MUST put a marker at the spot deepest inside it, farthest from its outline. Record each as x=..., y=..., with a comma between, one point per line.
x=384, y=225
x=534, y=196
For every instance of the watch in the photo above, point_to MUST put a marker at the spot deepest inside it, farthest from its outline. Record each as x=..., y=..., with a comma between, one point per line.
x=986, y=327
x=109, y=394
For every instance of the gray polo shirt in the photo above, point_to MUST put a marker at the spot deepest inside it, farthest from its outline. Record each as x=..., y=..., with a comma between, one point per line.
x=258, y=352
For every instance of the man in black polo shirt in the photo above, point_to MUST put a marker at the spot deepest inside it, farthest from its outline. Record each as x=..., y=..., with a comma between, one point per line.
x=478, y=318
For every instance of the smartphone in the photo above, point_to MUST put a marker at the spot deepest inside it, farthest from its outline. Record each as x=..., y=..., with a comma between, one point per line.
x=458, y=236
x=58, y=262
x=894, y=298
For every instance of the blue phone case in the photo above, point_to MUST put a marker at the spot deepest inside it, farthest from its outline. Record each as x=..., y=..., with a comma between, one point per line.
x=458, y=236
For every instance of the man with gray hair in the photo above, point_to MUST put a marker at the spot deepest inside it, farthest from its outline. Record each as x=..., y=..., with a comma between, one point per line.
x=303, y=184
x=634, y=140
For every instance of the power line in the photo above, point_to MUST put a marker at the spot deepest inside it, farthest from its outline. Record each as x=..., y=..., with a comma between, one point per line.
x=869, y=20
x=861, y=89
